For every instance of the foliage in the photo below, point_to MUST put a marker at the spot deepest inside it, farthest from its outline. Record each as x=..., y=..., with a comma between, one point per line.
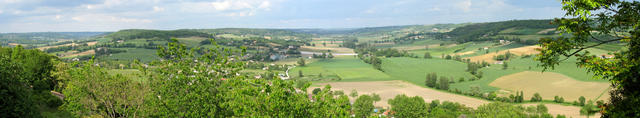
x=431, y=80
x=480, y=31
x=427, y=55
x=353, y=93
x=363, y=106
x=185, y=85
x=408, y=107
x=536, y=97
x=90, y=90
x=140, y=33
x=300, y=73
x=301, y=62
x=316, y=91
x=375, y=97
x=581, y=101
x=37, y=66
x=589, y=109
x=602, y=22
x=505, y=66
x=448, y=110
x=444, y=83
x=558, y=99
x=504, y=110
x=17, y=100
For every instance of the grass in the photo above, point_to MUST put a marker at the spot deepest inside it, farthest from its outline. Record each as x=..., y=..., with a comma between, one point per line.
x=127, y=73
x=145, y=55
x=54, y=113
x=347, y=68
x=192, y=41
x=414, y=70
x=495, y=71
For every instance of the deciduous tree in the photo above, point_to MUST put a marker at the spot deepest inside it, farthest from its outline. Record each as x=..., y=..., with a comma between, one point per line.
x=591, y=23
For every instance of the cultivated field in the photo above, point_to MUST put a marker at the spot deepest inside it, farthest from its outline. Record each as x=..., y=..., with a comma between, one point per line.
x=415, y=70
x=347, y=68
x=75, y=53
x=47, y=47
x=389, y=89
x=569, y=111
x=550, y=84
x=527, y=50
x=320, y=48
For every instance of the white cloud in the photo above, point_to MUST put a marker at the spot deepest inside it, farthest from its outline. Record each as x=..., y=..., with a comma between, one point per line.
x=58, y=17
x=228, y=7
x=265, y=5
x=465, y=6
x=107, y=19
x=370, y=11
x=157, y=9
x=1, y=11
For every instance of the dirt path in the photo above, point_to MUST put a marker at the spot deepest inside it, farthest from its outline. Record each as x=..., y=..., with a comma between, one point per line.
x=389, y=89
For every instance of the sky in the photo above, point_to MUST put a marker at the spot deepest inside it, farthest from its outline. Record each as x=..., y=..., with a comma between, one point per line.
x=113, y=15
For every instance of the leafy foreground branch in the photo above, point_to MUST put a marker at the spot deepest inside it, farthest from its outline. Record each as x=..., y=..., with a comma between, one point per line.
x=611, y=21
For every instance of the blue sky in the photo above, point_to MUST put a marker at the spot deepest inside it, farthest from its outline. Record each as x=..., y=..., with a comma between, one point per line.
x=113, y=15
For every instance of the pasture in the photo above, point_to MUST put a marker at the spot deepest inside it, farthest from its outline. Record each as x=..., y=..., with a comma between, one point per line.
x=346, y=68
x=145, y=55
x=415, y=70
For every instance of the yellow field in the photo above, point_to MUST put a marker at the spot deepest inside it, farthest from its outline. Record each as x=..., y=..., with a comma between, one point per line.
x=569, y=111
x=389, y=89
x=550, y=84
x=74, y=53
x=527, y=50
x=321, y=48
x=47, y=47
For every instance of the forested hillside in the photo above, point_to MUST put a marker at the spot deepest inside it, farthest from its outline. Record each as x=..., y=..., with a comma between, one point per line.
x=162, y=34
x=485, y=31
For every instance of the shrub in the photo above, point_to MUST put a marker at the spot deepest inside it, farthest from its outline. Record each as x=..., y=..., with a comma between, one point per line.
x=536, y=98
x=558, y=99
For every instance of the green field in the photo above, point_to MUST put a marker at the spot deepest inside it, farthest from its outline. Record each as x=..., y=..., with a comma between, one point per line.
x=495, y=71
x=414, y=70
x=347, y=68
x=127, y=73
x=145, y=55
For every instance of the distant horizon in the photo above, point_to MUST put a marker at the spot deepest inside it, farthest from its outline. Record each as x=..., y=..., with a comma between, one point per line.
x=312, y=28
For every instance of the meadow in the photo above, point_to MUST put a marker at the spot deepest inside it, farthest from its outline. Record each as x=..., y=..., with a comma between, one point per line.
x=414, y=70
x=344, y=68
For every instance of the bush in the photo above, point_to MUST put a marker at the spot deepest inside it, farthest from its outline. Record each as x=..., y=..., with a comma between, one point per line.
x=316, y=90
x=558, y=99
x=48, y=99
x=581, y=100
x=536, y=98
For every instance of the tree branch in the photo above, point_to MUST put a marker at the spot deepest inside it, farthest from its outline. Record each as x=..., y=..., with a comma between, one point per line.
x=591, y=46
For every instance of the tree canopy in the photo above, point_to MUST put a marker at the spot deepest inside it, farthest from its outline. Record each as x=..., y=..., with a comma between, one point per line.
x=590, y=23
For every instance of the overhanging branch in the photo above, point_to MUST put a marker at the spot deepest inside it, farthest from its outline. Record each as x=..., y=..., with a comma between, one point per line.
x=591, y=46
